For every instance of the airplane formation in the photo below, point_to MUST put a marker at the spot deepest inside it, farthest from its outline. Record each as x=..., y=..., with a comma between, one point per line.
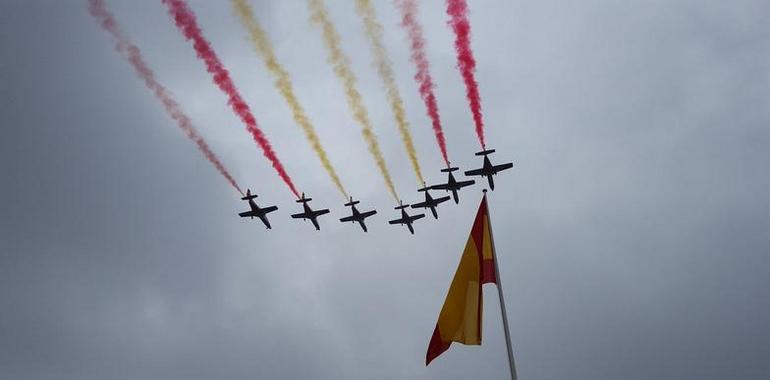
x=487, y=170
x=186, y=22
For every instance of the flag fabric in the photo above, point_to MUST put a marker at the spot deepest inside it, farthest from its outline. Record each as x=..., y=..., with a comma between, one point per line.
x=461, y=316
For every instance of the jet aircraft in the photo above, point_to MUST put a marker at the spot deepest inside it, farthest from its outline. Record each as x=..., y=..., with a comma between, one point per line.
x=406, y=218
x=488, y=170
x=452, y=184
x=260, y=213
x=430, y=202
x=357, y=216
x=309, y=213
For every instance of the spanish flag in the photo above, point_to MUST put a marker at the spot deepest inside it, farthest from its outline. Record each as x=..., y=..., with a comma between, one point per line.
x=460, y=317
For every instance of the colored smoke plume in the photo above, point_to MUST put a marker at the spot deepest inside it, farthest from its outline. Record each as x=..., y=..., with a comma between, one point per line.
x=458, y=12
x=131, y=52
x=356, y=104
x=424, y=80
x=283, y=83
x=188, y=25
x=382, y=63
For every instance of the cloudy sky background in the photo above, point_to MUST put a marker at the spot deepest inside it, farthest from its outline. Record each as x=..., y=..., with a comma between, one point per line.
x=632, y=232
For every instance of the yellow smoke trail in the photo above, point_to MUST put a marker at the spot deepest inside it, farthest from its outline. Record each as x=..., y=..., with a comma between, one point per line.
x=374, y=34
x=340, y=62
x=264, y=48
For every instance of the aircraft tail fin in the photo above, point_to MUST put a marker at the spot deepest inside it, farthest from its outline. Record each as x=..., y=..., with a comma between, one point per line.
x=248, y=195
x=485, y=152
x=302, y=199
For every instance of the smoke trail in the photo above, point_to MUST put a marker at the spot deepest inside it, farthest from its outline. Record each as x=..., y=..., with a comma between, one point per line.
x=131, y=52
x=283, y=83
x=374, y=34
x=188, y=25
x=458, y=11
x=340, y=62
x=417, y=44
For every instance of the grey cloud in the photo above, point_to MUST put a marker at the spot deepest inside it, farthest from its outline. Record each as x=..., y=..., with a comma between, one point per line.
x=632, y=232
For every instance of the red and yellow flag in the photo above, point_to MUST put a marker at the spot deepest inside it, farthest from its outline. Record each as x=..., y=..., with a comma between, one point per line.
x=460, y=317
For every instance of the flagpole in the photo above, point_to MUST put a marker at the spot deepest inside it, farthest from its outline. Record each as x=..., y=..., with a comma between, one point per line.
x=503, y=313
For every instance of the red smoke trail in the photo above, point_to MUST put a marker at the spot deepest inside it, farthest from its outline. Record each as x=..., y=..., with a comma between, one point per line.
x=458, y=11
x=187, y=24
x=423, y=77
x=125, y=47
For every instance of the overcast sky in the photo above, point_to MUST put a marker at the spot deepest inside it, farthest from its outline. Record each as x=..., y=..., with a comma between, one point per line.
x=632, y=233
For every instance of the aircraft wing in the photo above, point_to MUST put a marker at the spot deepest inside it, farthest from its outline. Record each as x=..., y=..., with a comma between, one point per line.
x=475, y=172
x=348, y=219
x=420, y=205
x=441, y=199
x=440, y=186
x=465, y=183
x=415, y=217
x=297, y=216
x=368, y=213
x=269, y=209
x=320, y=212
x=502, y=167
x=247, y=214
x=397, y=221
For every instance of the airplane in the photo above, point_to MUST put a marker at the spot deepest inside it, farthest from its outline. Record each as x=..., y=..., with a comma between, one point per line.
x=430, y=202
x=452, y=184
x=406, y=218
x=309, y=213
x=261, y=213
x=357, y=216
x=488, y=170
